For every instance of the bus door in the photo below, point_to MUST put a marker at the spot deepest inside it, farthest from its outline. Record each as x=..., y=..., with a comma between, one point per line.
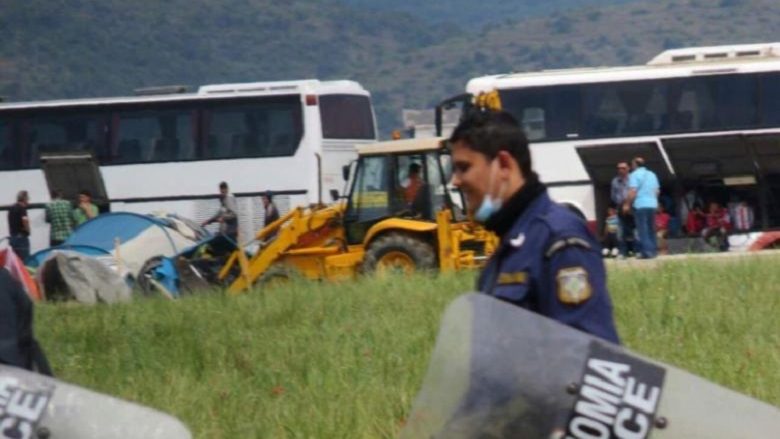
x=730, y=170
x=600, y=162
x=72, y=172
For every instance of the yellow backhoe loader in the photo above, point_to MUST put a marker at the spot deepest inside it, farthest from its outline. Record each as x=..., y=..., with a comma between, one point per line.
x=399, y=214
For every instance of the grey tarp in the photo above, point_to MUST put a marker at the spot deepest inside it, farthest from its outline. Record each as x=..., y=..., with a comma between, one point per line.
x=67, y=275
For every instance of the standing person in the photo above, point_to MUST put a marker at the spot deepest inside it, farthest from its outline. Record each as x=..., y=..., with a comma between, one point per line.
x=19, y=226
x=271, y=213
x=547, y=261
x=226, y=216
x=643, y=189
x=58, y=215
x=618, y=194
x=86, y=210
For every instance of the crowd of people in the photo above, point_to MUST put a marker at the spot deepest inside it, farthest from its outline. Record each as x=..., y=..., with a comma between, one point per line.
x=640, y=220
x=63, y=217
x=60, y=214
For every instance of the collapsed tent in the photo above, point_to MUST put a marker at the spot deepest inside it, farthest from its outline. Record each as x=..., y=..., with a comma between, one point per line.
x=130, y=238
x=106, y=254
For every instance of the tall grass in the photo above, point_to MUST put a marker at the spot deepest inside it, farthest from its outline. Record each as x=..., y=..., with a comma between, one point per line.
x=312, y=360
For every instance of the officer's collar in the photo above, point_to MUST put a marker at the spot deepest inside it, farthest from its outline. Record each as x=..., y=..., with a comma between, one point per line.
x=503, y=220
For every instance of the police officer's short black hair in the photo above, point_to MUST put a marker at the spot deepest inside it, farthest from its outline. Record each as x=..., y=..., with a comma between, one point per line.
x=489, y=132
x=223, y=185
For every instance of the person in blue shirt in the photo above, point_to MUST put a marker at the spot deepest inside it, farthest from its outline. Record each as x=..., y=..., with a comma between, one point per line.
x=547, y=261
x=643, y=189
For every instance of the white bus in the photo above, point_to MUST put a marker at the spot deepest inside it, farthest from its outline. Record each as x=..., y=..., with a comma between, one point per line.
x=706, y=120
x=168, y=152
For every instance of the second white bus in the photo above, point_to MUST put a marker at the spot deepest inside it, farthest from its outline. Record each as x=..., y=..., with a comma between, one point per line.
x=706, y=120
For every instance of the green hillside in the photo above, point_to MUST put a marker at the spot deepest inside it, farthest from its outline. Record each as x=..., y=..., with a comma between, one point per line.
x=82, y=49
x=485, y=12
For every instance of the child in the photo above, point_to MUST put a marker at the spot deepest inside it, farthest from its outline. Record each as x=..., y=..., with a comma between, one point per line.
x=662, y=228
x=718, y=225
x=611, y=230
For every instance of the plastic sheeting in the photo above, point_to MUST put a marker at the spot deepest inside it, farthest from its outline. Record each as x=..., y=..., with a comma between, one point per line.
x=68, y=275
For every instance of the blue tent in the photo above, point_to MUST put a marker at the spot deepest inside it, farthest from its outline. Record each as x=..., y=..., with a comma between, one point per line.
x=99, y=237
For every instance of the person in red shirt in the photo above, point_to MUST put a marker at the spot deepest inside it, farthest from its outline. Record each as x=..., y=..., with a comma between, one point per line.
x=717, y=225
x=694, y=223
x=662, y=228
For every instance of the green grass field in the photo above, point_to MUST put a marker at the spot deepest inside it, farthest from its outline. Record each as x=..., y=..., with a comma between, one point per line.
x=317, y=360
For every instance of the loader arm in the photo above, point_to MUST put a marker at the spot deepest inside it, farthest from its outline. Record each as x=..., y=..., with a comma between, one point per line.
x=291, y=227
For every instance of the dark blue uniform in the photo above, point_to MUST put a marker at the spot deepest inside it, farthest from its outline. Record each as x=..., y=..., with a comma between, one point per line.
x=548, y=262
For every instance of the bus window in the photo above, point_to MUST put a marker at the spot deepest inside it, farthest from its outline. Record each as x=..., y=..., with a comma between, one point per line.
x=154, y=136
x=645, y=106
x=714, y=102
x=770, y=99
x=737, y=101
x=346, y=117
x=7, y=156
x=546, y=113
x=268, y=128
x=605, y=114
x=533, y=123
x=64, y=133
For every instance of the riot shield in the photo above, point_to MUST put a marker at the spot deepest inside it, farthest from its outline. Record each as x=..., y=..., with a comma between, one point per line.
x=33, y=406
x=499, y=371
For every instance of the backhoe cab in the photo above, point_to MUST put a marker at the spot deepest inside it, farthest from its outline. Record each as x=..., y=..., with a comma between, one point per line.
x=399, y=214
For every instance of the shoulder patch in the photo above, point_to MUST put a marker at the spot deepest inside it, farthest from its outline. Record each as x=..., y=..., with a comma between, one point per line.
x=566, y=242
x=573, y=285
x=518, y=277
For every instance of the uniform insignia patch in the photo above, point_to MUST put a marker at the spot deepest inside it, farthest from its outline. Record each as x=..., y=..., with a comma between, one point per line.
x=519, y=277
x=573, y=285
x=518, y=241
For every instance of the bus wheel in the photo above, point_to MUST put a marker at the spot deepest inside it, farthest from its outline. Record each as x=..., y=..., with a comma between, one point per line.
x=399, y=252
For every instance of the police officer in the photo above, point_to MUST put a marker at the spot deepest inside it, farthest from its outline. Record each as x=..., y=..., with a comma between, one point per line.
x=547, y=260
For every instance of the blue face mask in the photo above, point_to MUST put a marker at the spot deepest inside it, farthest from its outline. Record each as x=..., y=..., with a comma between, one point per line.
x=487, y=208
x=490, y=204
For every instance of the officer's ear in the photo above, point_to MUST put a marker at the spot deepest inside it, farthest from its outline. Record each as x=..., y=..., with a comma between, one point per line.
x=506, y=163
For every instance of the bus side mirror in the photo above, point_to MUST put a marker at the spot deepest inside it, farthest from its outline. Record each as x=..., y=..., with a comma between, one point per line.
x=345, y=172
x=334, y=195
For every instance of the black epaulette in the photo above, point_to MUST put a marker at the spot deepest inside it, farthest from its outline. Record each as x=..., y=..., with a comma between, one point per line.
x=566, y=242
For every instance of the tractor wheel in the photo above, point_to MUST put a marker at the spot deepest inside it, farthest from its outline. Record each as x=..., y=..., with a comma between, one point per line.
x=399, y=252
